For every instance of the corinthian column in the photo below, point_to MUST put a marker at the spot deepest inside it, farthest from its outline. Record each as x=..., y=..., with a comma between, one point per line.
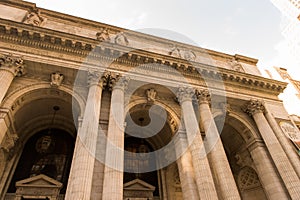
x=285, y=143
x=114, y=159
x=218, y=156
x=81, y=174
x=10, y=67
x=255, y=108
x=203, y=176
x=185, y=167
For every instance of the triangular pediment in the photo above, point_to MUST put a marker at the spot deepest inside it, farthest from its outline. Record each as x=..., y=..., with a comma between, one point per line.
x=138, y=184
x=39, y=181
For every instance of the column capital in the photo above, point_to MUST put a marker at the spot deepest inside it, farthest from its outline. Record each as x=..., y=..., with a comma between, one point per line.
x=13, y=64
x=254, y=106
x=185, y=94
x=203, y=96
x=97, y=78
x=117, y=81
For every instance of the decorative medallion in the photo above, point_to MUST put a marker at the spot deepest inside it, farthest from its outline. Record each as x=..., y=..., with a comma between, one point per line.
x=290, y=131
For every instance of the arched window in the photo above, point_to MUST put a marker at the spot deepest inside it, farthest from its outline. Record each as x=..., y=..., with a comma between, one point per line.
x=48, y=153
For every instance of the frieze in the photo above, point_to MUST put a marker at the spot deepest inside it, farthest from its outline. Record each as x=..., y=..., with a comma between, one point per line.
x=265, y=84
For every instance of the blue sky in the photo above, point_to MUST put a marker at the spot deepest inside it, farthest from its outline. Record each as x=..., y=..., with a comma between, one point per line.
x=250, y=28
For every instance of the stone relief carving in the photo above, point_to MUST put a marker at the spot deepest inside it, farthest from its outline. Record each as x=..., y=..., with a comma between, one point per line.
x=235, y=65
x=9, y=145
x=188, y=55
x=103, y=35
x=34, y=18
x=254, y=106
x=12, y=63
x=175, y=51
x=151, y=95
x=185, y=93
x=121, y=39
x=97, y=78
x=184, y=54
x=290, y=131
x=172, y=124
x=117, y=80
x=203, y=96
x=248, y=178
x=56, y=79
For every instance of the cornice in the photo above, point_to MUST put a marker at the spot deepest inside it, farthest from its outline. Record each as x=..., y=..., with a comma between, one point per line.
x=51, y=40
x=96, y=26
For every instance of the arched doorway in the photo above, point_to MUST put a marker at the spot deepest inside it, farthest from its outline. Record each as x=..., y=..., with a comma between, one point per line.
x=47, y=152
x=141, y=161
x=236, y=137
x=43, y=115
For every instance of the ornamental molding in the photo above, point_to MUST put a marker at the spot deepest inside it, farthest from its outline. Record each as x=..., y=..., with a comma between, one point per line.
x=35, y=18
x=203, y=96
x=185, y=94
x=40, y=38
x=151, y=95
x=12, y=63
x=56, y=79
x=254, y=106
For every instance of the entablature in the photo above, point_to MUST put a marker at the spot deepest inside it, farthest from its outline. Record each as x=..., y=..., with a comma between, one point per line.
x=123, y=58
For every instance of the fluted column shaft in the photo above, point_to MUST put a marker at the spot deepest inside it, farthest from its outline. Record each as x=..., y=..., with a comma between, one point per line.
x=185, y=167
x=285, y=169
x=267, y=174
x=203, y=175
x=114, y=162
x=81, y=174
x=285, y=143
x=218, y=155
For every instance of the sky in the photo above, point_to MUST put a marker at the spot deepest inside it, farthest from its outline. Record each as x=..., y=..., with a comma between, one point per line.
x=254, y=28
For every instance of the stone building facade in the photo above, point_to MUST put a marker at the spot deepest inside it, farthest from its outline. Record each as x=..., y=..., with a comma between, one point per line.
x=93, y=111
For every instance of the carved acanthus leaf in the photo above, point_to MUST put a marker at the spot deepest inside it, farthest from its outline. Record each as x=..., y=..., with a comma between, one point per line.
x=12, y=63
x=254, y=106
